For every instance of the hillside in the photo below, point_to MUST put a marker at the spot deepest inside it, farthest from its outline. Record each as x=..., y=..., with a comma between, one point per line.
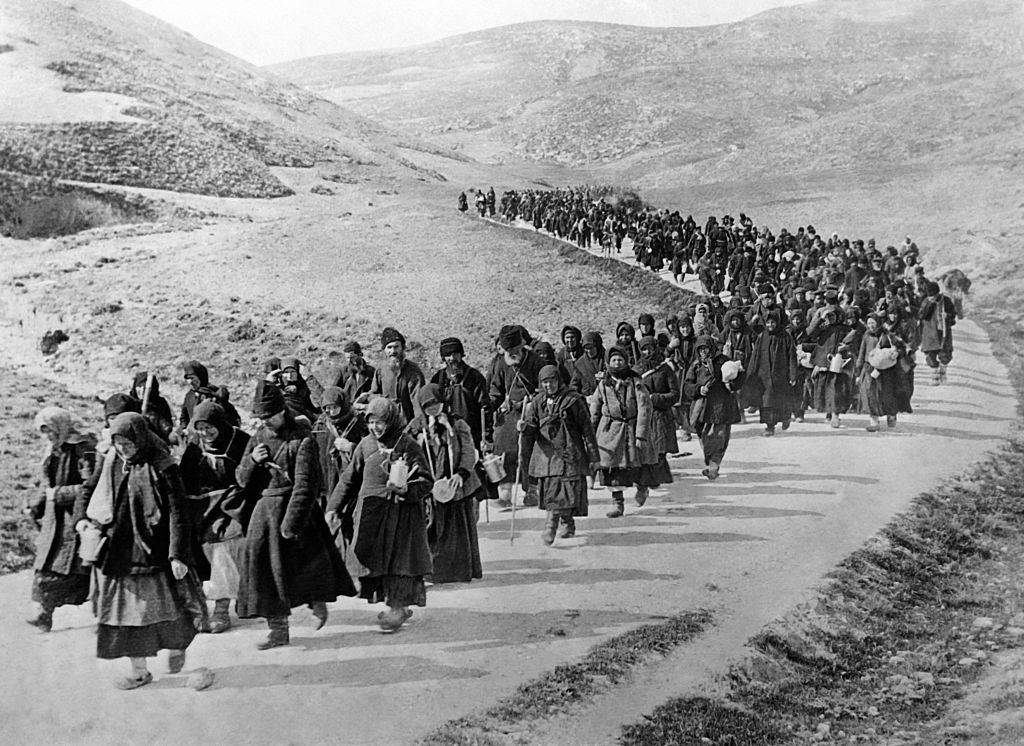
x=96, y=91
x=830, y=84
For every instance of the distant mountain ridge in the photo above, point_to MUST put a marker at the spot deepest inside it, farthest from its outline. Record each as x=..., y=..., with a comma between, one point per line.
x=844, y=82
x=102, y=92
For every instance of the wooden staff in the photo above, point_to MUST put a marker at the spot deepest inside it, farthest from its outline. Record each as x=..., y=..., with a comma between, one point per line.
x=487, y=503
x=519, y=470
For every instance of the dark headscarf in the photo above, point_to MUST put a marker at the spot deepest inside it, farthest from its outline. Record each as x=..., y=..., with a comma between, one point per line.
x=119, y=403
x=384, y=409
x=269, y=403
x=429, y=394
x=197, y=369
x=134, y=427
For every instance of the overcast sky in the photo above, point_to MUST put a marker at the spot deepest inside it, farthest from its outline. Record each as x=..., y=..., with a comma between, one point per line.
x=266, y=31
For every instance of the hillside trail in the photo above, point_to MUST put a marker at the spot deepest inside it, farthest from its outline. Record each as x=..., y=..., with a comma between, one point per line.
x=749, y=547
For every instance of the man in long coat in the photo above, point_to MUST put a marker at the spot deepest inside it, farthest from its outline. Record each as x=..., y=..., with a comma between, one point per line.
x=937, y=315
x=399, y=379
x=773, y=371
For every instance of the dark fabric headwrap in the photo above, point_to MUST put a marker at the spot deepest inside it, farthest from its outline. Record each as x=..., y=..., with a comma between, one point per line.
x=270, y=402
x=334, y=396
x=197, y=369
x=616, y=350
x=544, y=351
x=593, y=338
x=211, y=412
x=353, y=347
x=429, y=394
x=290, y=362
x=569, y=328
x=647, y=342
x=624, y=326
x=645, y=318
x=777, y=315
x=451, y=345
x=140, y=380
x=548, y=372
x=386, y=410
x=705, y=341
x=389, y=335
x=119, y=403
x=509, y=337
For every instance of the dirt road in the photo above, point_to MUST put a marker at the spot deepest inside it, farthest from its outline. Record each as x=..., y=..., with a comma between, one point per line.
x=749, y=546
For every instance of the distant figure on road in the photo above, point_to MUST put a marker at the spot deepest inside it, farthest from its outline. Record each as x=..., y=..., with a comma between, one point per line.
x=463, y=202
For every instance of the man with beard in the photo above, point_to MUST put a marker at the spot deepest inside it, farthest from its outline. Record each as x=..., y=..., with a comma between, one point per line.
x=398, y=379
x=513, y=381
x=357, y=375
x=773, y=372
x=464, y=388
x=559, y=442
x=289, y=559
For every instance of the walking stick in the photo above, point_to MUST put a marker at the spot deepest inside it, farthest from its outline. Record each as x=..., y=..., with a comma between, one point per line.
x=487, y=503
x=519, y=472
x=146, y=392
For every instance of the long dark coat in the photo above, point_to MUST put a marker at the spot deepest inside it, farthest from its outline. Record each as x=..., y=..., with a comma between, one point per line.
x=772, y=366
x=937, y=315
x=391, y=538
x=720, y=407
x=510, y=386
x=559, y=439
x=467, y=396
x=66, y=469
x=279, y=574
x=332, y=462
x=661, y=382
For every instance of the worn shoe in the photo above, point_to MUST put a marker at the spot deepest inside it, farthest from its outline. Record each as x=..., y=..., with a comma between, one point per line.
x=768, y=432
x=176, y=661
x=568, y=528
x=835, y=422
x=641, y=496
x=785, y=425
x=618, y=509
x=390, y=620
x=274, y=640
x=504, y=503
x=530, y=499
x=43, y=621
x=712, y=470
x=319, y=609
x=133, y=682
x=220, y=619
x=890, y=421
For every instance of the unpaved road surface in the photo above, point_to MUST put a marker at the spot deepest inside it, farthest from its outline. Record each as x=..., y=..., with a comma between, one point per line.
x=748, y=546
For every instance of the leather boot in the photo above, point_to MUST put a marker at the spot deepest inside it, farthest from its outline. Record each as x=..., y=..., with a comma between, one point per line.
x=712, y=474
x=872, y=424
x=319, y=609
x=43, y=620
x=641, y=495
x=220, y=620
x=550, y=527
x=568, y=529
x=278, y=636
x=619, y=506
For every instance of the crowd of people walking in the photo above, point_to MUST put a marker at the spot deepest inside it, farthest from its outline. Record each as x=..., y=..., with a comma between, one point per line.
x=369, y=484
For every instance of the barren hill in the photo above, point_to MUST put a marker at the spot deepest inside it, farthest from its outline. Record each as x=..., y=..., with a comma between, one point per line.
x=836, y=82
x=96, y=91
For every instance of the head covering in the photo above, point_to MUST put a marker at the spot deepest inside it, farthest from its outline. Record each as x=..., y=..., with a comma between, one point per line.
x=645, y=319
x=353, y=347
x=616, y=350
x=451, y=345
x=119, y=403
x=736, y=313
x=389, y=335
x=570, y=328
x=831, y=295
x=548, y=372
x=60, y=421
x=290, y=362
x=334, y=396
x=197, y=369
x=544, y=351
x=594, y=339
x=134, y=427
x=509, y=337
x=384, y=409
x=624, y=326
x=705, y=340
x=777, y=315
x=269, y=402
x=140, y=380
x=213, y=413
x=429, y=394
x=647, y=341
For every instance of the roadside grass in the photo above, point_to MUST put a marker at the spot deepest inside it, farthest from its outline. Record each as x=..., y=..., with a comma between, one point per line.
x=904, y=626
x=557, y=691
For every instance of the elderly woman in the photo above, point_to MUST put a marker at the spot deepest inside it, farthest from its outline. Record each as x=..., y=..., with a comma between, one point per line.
x=620, y=413
x=138, y=589
x=60, y=579
x=447, y=442
x=385, y=485
x=559, y=445
x=208, y=473
x=290, y=559
x=713, y=408
x=879, y=388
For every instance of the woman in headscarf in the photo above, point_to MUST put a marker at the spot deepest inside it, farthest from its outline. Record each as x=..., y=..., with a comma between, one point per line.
x=662, y=384
x=625, y=340
x=831, y=357
x=157, y=411
x=620, y=413
x=337, y=431
x=681, y=350
x=447, y=442
x=559, y=443
x=713, y=408
x=208, y=472
x=385, y=486
x=773, y=373
x=879, y=388
x=589, y=367
x=60, y=578
x=140, y=593
x=290, y=559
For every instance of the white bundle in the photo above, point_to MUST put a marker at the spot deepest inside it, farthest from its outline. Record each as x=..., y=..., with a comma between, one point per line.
x=731, y=370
